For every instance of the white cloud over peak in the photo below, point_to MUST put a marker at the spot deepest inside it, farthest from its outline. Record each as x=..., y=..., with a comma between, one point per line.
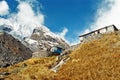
x=63, y=33
x=4, y=8
x=25, y=20
x=26, y=15
x=108, y=13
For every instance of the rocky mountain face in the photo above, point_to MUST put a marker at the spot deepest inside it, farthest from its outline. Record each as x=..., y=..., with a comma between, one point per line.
x=12, y=50
x=42, y=40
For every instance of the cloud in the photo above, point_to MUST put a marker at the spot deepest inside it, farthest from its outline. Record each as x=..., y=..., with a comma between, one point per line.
x=63, y=33
x=87, y=31
x=108, y=13
x=27, y=16
x=71, y=41
x=25, y=20
x=4, y=8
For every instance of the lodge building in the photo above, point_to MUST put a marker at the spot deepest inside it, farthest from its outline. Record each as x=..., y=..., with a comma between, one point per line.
x=91, y=35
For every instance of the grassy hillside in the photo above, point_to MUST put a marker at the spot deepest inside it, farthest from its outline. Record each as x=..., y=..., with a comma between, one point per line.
x=32, y=69
x=95, y=60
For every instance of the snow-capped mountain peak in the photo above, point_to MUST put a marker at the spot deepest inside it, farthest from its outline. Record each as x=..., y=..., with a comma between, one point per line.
x=41, y=37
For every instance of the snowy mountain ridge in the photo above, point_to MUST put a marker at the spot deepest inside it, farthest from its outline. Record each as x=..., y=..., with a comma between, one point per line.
x=21, y=31
x=41, y=37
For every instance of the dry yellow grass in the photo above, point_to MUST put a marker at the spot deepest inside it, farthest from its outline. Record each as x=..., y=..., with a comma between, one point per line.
x=32, y=69
x=95, y=60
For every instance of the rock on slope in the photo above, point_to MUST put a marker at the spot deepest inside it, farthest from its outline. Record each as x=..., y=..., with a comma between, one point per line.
x=12, y=50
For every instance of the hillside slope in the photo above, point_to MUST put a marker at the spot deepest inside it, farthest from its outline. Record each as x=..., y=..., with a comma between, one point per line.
x=12, y=50
x=95, y=60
